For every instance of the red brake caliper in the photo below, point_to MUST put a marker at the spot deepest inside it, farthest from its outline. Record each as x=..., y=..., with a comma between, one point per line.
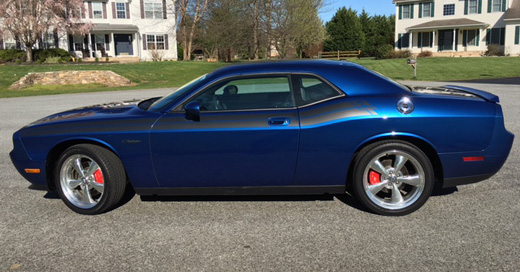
x=98, y=176
x=374, y=177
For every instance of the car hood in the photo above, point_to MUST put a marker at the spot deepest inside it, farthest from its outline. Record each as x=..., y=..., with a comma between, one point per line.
x=97, y=111
x=457, y=91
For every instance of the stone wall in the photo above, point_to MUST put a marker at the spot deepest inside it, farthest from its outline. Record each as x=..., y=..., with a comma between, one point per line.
x=107, y=78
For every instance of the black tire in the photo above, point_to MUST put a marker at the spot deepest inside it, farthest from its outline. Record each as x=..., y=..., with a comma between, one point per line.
x=413, y=178
x=101, y=184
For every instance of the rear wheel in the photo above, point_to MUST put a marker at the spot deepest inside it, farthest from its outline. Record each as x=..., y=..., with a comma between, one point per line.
x=90, y=179
x=392, y=177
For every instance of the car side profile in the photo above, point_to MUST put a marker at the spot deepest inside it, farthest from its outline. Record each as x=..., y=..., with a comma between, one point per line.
x=292, y=127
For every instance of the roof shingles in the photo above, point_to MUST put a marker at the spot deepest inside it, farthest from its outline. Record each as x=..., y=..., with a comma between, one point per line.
x=513, y=13
x=463, y=22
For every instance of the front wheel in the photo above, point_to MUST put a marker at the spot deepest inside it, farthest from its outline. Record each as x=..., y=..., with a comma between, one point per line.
x=90, y=179
x=392, y=177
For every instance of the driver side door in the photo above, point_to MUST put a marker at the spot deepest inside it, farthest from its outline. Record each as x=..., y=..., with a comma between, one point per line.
x=247, y=135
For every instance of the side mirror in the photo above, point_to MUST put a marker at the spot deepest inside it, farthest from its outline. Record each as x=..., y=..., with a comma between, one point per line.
x=192, y=111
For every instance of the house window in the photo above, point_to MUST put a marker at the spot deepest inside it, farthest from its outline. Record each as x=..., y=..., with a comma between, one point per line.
x=9, y=43
x=496, y=36
x=100, y=42
x=471, y=39
x=427, y=10
x=406, y=12
x=121, y=10
x=97, y=10
x=153, y=9
x=425, y=39
x=449, y=9
x=405, y=40
x=78, y=43
x=473, y=6
x=497, y=5
x=155, y=42
x=48, y=40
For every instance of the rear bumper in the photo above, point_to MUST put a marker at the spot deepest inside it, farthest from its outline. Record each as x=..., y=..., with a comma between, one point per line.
x=459, y=172
x=452, y=182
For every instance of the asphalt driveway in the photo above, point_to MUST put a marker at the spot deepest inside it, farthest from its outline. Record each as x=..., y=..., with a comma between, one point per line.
x=472, y=228
x=506, y=81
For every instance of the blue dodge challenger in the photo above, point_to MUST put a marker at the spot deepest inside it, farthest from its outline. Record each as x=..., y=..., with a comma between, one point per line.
x=299, y=127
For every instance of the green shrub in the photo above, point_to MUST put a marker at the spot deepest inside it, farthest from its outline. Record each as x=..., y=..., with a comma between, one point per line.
x=53, y=60
x=180, y=52
x=425, y=54
x=43, y=55
x=494, y=50
x=13, y=55
x=383, y=50
x=96, y=59
x=398, y=54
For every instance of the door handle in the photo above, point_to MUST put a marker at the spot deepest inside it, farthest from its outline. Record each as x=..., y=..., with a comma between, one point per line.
x=279, y=121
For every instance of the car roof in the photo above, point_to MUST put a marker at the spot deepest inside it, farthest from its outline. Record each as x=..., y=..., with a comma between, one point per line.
x=313, y=66
x=351, y=78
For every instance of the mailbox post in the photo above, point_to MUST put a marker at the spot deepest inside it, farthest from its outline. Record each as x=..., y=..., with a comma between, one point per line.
x=413, y=63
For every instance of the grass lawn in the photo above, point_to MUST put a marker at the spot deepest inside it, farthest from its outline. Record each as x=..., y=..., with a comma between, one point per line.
x=446, y=69
x=148, y=75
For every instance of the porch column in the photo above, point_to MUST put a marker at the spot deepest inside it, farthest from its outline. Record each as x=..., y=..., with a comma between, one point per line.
x=114, y=43
x=89, y=46
x=411, y=41
x=454, y=40
x=433, y=38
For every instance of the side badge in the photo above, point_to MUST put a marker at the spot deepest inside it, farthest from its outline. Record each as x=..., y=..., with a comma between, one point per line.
x=405, y=106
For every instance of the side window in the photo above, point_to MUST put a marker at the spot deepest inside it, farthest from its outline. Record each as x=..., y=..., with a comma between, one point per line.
x=248, y=93
x=313, y=89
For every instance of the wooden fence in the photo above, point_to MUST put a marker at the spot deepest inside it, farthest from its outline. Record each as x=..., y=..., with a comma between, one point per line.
x=339, y=55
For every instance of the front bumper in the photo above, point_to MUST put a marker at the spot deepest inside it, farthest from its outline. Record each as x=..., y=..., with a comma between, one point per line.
x=22, y=161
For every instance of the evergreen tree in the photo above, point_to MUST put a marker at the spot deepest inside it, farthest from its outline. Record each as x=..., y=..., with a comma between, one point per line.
x=369, y=29
x=344, y=31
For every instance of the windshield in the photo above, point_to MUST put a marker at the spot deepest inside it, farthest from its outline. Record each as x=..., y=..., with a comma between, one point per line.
x=159, y=104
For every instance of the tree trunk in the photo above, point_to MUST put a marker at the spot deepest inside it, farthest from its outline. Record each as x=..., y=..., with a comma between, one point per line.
x=190, y=40
x=255, y=29
x=186, y=56
x=229, y=55
x=268, y=32
x=28, y=51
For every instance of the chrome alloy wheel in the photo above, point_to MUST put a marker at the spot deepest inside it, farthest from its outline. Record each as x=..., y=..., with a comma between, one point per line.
x=82, y=181
x=393, y=180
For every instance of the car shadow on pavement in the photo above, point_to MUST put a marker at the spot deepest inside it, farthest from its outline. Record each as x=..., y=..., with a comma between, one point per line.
x=347, y=198
x=52, y=195
x=233, y=198
x=439, y=191
x=128, y=195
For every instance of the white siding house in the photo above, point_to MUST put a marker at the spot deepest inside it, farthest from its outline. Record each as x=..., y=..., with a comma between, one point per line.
x=457, y=27
x=129, y=29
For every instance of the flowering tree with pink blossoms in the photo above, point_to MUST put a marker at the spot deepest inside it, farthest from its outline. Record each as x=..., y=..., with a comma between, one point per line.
x=29, y=20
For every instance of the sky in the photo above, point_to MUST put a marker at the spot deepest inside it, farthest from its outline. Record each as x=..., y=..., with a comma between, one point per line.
x=373, y=7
